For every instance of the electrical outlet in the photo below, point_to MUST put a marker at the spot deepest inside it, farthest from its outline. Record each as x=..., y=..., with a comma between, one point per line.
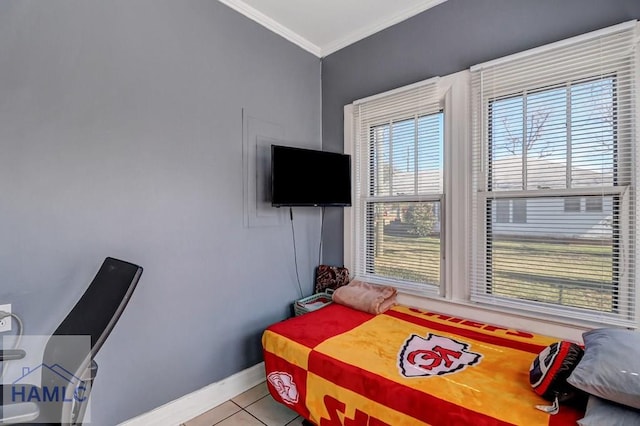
x=5, y=323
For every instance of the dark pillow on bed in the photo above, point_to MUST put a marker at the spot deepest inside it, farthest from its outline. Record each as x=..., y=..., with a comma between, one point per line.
x=549, y=371
x=330, y=277
x=610, y=367
x=602, y=412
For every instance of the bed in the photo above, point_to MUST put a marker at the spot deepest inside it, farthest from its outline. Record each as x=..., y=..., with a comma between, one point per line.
x=340, y=366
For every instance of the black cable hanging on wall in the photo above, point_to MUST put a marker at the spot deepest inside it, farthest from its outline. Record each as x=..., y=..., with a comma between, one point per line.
x=295, y=251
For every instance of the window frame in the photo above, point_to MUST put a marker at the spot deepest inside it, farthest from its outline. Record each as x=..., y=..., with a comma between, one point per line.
x=455, y=296
x=354, y=245
x=529, y=72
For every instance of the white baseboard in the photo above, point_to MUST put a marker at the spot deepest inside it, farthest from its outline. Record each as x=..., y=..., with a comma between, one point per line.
x=191, y=405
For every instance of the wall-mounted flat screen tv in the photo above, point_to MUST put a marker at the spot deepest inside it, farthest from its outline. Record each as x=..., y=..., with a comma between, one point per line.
x=307, y=177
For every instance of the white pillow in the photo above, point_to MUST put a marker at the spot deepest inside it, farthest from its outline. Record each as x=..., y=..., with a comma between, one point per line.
x=610, y=367
x=602, y=412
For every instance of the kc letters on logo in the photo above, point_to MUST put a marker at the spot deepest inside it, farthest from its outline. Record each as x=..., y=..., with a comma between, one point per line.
x=434, y=356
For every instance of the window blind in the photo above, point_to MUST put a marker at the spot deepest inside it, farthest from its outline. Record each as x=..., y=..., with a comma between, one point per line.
x=398, y=158
x=554, y=168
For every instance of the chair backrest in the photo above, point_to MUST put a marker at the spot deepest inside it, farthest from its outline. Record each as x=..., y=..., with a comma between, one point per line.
x=94, y=315
x=101, y=305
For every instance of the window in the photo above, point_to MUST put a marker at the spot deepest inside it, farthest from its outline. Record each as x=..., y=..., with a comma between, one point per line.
x=520, y=211
x=510, y=211
x=553, y=141
x=594, y=204
x=572, y=204
x=398, y=159
x=503, y=211
x=540, y=218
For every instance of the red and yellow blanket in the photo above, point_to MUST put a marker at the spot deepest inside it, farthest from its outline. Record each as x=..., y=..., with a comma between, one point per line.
x=338, y=366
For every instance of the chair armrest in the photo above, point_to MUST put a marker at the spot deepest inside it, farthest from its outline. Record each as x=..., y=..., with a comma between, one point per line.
x=90, y=372
x=19, y=413
x=11, y=354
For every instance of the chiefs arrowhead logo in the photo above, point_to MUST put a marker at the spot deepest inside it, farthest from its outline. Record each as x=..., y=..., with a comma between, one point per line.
x=283, y=383
x=434, y=356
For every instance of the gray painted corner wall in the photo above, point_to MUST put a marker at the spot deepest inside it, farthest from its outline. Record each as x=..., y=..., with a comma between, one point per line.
x=121, y=135
x=442, y=40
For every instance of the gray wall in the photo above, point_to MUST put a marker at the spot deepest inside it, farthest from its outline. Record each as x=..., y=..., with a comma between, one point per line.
x=121, y=135
x=445, y=39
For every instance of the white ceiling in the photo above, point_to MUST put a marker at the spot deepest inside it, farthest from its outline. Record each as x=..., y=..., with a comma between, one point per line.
x=324, y=26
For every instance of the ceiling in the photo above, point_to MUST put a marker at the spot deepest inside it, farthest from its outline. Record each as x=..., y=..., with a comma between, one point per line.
x=325, y=26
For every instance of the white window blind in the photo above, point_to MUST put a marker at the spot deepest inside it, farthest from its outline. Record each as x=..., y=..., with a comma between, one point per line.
x=398, y=158
x=554, y=201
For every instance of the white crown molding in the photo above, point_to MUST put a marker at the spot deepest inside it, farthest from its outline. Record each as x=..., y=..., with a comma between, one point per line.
x=380, y=25
x=335, y=45
x=262, y=19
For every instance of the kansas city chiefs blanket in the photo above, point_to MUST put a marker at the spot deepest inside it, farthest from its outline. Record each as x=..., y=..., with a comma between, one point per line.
x=338, y=366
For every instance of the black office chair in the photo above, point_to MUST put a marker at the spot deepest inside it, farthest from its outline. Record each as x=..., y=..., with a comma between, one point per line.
x=94, y=315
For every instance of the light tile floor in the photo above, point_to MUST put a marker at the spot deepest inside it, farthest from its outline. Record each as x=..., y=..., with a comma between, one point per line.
x=254, y=407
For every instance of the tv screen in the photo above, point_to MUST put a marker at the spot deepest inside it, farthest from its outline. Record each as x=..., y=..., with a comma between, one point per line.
x=306, y=177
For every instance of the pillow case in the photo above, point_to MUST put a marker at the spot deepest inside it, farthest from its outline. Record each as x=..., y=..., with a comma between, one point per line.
x=610, y=366
x=602, y=412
